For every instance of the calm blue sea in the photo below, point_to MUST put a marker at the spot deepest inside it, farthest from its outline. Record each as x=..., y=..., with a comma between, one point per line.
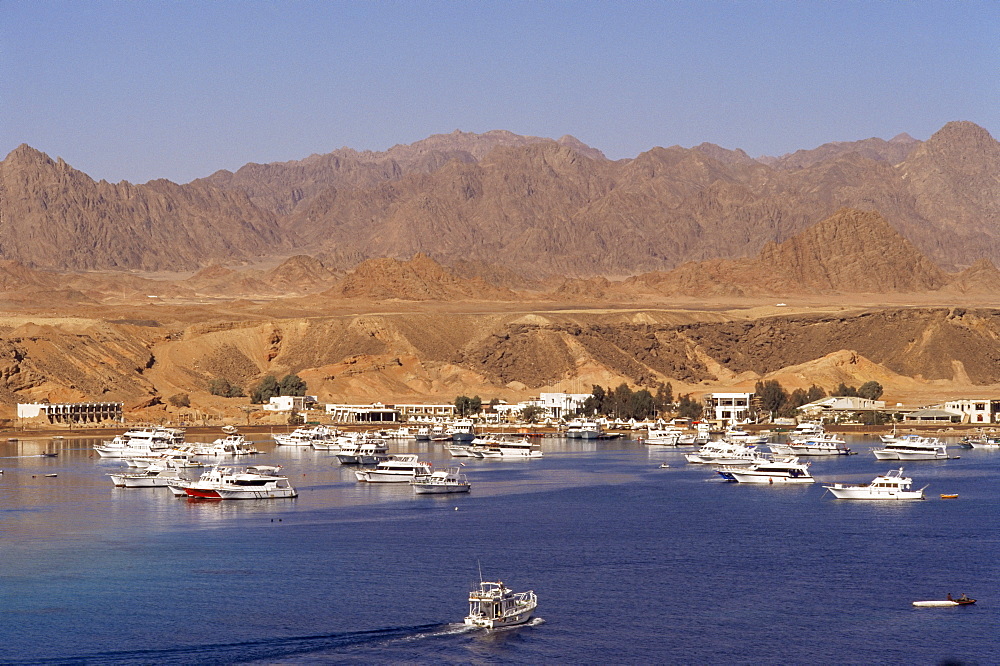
x=631, y=564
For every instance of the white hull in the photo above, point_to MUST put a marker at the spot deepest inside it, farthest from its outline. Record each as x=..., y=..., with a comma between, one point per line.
x=936, y=604
x=272, y=493
x=383, y=477
x=808, y=450
x=864, y=493
x=752, y=477
x=142, y=481
x=511, y=621
x=440, y=488
x=882, y=454
x=920, y=455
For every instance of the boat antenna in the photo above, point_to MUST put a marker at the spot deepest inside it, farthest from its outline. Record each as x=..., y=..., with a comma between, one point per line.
x=480, y=564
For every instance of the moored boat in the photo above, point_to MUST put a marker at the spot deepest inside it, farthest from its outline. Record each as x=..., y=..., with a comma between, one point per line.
x=913, y=447
x=890, y=486
x=442, y=481
x=256, y=482
x=778, y=471
x=397, y=469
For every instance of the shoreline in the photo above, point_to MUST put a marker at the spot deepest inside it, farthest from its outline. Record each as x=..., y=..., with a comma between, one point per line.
x=42, y=432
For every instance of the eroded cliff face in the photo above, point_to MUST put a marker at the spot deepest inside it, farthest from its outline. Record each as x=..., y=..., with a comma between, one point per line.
x=434, y=357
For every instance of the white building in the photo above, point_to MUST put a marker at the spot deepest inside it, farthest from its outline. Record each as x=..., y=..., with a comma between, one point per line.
x=732, y=407
x=71, y=412
x=421, y=412
x=288, y=403
x=560, y=405
x=981, y=410
x=373, y=413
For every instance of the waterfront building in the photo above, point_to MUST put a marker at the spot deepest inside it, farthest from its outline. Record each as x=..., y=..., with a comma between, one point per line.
x=71, y=412
x=373, y=413
x=933, y=416
x=979, y=410
x=728, y=407
x=288, y=403
x=421, y=412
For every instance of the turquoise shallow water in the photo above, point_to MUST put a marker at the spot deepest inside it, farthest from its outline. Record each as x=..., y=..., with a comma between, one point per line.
x=631, y=563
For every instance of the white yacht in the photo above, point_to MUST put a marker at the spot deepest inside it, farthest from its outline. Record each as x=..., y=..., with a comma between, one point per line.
x=913, y=447
x=422, y=434
x=366, y=450
x=983, y=442
x=590, y=429
x=499, y=447
x=140, y=442
x=399, y=468
x=493, y=605
x=232, y=444
x=785, y=470
x=436, y=483
x=153, y=476
x=460, y=450
x=723, y=453
x=807, y=429
x=669, y=436
x=462, y=431
x=813, y=445
x=257, y=482
x=741, y=436
x=890, y=486
x=305, y=436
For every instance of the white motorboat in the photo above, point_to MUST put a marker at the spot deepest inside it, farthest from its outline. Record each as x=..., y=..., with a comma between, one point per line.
x=153, y=476
x=741, y=436
x=232, y=444
x=462, y=431
x=446, y=481
x=665, y=436
x=777, y=471
x=422, y=434
x=366, y=450
x=397, y=469
x=807, y=429
x=499, y=447
x=460, y=450
x=305, y=436
x=257, y=482
x=726, y=470
x=493, y=605
x=982, y=442
x=913, y=447
x=723, y=453
x=890, y=486
x=141, y=442
x=815, y=445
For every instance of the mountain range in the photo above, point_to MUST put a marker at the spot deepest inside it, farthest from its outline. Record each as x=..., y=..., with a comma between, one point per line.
x=497, y=201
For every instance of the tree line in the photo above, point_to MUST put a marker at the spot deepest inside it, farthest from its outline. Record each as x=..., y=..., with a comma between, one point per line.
x=772, y=398
x=269, y=387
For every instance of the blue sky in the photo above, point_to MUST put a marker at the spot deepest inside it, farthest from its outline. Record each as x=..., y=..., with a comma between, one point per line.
x=142, y=90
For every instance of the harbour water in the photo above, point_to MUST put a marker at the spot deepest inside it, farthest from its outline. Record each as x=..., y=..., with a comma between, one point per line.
x=631, y=563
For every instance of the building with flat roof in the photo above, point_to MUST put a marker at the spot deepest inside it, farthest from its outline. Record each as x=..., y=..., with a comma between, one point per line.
x=71, y=412
x=373, y=413
x=728, y=407
x=979, y=410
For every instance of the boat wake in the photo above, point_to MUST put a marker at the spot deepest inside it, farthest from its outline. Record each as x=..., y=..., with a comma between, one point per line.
x=261, y=651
